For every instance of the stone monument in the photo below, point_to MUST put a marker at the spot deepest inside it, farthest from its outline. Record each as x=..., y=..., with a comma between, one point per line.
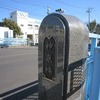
x=62, y=53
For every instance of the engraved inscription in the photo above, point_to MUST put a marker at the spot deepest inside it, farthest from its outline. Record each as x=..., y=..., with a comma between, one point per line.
x=49, y=58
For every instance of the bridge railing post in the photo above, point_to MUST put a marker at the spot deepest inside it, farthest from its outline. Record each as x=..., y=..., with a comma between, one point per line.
x=63, y=50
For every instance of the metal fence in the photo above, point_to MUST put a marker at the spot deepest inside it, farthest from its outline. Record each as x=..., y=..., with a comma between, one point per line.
x=94, y=38
x=13, y=41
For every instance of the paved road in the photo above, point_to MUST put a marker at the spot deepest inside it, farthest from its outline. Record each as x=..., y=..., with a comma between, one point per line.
x=18, y=66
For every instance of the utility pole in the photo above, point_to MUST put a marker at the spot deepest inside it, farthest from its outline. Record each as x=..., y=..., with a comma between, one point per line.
x=48, y=10
x=89, y=12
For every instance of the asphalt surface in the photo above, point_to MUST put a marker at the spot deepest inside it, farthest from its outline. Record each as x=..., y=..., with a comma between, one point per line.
x=18, y=66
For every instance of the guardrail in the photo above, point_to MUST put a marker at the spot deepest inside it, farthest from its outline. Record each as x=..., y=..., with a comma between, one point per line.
x=22, y=92
x=90, y=65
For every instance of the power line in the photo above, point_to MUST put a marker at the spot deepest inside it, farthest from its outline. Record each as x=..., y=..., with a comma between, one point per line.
x=12, y=9
x=28, y=3
x=7, y=7
x=74, y=6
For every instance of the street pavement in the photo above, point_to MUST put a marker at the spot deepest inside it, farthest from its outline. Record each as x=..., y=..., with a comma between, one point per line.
x=18, y=66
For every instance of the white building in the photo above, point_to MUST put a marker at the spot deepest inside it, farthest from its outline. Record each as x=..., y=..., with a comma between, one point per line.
x=29, y=26
x=5, y=32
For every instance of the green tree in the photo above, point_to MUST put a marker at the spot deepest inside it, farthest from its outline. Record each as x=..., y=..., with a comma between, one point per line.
x=13, y=26
x=98, y=29
x=92, y=26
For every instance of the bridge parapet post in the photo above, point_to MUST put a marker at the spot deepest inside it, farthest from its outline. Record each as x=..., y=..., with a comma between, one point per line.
x=63, y=49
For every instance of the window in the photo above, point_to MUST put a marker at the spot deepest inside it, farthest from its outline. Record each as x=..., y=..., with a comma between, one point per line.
x=21, y=25
x=5, y=34
x=29, y=26
x=36, y=27
x=36, y=35
x=11, y=16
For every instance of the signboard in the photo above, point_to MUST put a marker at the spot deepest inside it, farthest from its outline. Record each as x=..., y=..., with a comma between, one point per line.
x=49, y=58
